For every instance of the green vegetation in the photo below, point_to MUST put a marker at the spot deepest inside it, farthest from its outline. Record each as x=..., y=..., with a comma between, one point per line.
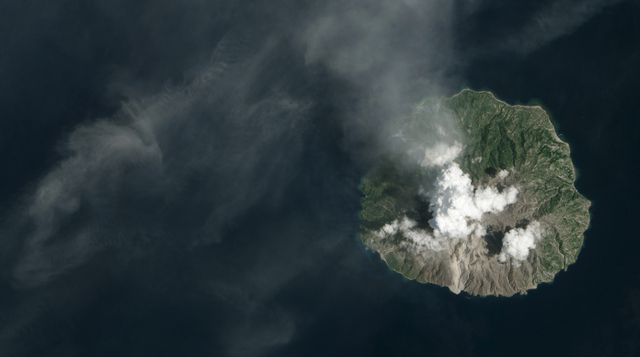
x=496, y=136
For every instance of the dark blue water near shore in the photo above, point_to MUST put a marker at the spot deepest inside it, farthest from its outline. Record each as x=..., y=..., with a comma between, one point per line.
x=290, y=278
x=589, y=83
x=591, y=90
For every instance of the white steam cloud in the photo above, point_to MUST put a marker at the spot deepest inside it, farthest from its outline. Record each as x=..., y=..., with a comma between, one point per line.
x=517, y=242
x=409, y=229
x=440, y=154
x=456, y=204
x=458, y=208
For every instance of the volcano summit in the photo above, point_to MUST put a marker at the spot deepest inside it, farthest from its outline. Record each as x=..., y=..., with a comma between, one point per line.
x=476, y=195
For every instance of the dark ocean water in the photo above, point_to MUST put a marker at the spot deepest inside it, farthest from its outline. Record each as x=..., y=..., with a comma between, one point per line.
x=289, y=277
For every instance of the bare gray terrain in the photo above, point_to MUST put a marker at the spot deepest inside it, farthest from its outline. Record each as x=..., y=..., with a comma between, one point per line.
x=520, y=139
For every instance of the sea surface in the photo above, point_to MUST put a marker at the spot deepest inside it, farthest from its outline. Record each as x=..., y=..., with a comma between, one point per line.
x=289, y=277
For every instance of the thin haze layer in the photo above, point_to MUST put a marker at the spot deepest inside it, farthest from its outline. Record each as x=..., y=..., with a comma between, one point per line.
x=174, y=122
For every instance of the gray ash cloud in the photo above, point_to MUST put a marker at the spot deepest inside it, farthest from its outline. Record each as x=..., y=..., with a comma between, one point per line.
x=170, y=154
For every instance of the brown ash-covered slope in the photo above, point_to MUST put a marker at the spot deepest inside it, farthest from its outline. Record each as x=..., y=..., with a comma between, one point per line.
x=507, y=248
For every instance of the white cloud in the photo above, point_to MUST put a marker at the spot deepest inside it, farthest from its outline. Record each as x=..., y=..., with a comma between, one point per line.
x=488, y=199
x=458, y=209
x=517, y=242
x=440, y=154
x=417, y=236
x=396, y=226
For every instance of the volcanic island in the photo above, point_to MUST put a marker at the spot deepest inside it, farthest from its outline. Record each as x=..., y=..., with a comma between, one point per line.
x=476, y=195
